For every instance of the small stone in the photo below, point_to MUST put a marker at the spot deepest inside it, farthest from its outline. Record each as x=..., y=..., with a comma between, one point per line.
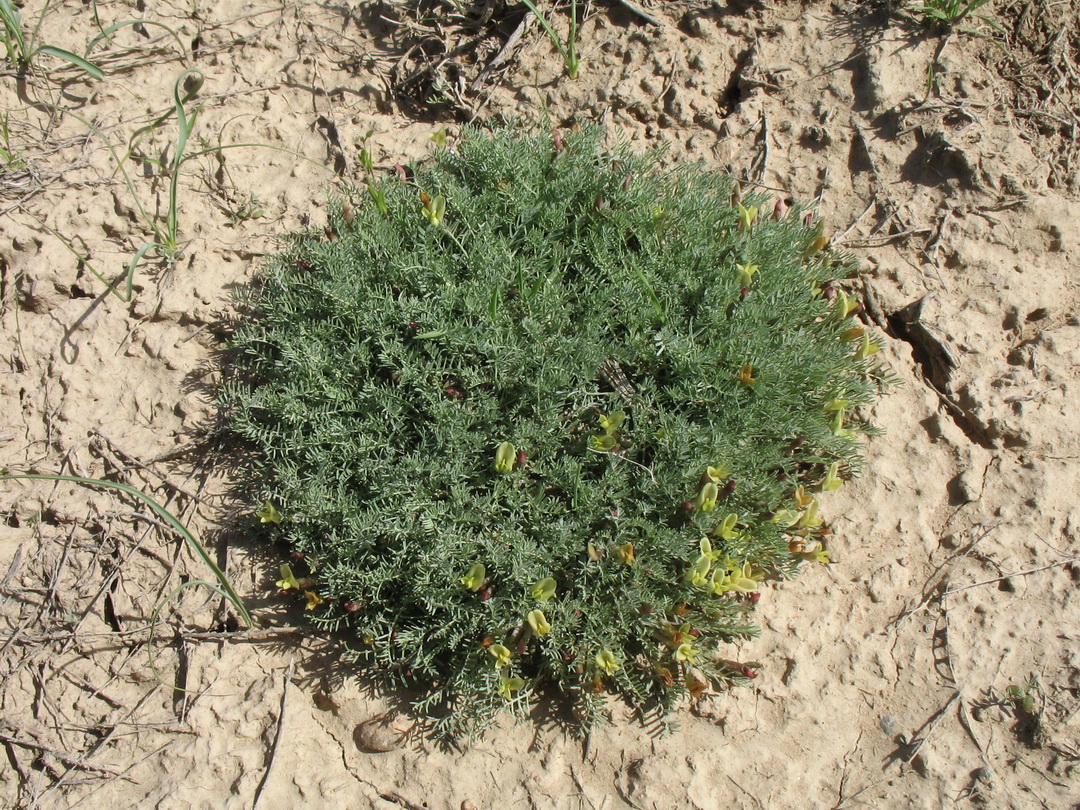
x=381, y=734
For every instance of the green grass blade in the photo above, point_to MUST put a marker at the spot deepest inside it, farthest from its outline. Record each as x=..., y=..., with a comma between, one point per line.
x=13, y=34
x=161, y=512
x=90, y=68
x=555, y=39
x=106, y=34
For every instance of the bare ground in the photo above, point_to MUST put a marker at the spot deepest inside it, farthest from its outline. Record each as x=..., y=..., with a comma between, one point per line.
x=895, y=678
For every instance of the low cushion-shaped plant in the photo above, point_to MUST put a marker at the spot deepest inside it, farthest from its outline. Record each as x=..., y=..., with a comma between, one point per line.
x=548, y=413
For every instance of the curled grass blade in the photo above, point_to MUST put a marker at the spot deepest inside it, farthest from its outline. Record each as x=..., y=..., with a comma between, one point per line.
x=78, y=61
x=165, y=515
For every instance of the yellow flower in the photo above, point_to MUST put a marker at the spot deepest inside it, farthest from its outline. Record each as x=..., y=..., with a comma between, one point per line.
x=507, y=686
x=434, y=208
x=501, y=655
x=810, y=519
x=816, y=245
x=544, y=589
x=740, y=579
x=747, y=215
x=854, y=333
x=288, y=581
x=268, y=513
x=606, y=661
x=626, y=553
x=613, y=422
x=505, y=455
x=866, y=348
x=313, y=600
x=785, y=518
x=746, y=375
x=727, y=528
x=832, y=477
x=746, y=273
x=818, y=555
x=717, y=473
x=698, y=574
x=706, y=499
x=686, y=653
x=605, y=443
x=474, y=579
x=538, y=622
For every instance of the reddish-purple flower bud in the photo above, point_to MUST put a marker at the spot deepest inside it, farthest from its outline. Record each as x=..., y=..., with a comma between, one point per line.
x=350, y=606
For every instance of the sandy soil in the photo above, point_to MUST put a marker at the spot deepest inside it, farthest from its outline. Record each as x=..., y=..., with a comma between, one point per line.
x=948, y=164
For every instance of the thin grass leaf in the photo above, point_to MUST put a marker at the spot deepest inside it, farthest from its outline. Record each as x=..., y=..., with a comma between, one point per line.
x=89, y=67
x=106, y=35
x=13, y=34
x=569, y=55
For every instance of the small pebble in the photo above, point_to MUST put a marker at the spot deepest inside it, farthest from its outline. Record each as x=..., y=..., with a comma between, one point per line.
x=379, y=735
x=888, y=724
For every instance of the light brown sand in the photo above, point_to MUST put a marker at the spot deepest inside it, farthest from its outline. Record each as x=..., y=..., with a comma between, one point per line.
x=884, y=676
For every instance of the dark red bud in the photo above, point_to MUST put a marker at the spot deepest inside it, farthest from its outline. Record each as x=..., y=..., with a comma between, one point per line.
x=350, y=606
x=303, y=265
x=329, y=233
x=451, y=391
x=413, y=325
x=695, y=632
x=688, y=506
x=556, y=137
x=755, y=597
x=729, y=487
x=402, y=172
x=749, y=673
x=829, y=294
x=745, y=291
x=296, y=556
x=485, y=594
x=521, y=458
